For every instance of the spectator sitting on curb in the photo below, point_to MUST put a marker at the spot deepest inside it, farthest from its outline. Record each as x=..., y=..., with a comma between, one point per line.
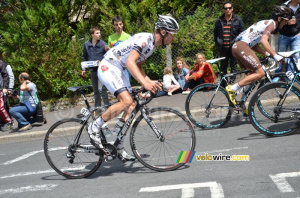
x=170, y=83
x=201, y=73
x=28, y=93
x=182, y=69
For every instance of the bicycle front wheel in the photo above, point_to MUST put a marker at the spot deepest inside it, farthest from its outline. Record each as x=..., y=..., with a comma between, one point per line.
x=69, y=157
x=207, y=107
x=269, y=115
x=162, y=154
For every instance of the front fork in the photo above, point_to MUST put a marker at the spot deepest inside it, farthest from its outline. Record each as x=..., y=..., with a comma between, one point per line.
x=145, y=113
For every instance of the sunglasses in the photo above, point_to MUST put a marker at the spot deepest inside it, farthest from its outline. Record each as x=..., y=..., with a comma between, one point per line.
x=229, y=8
x=172, y=33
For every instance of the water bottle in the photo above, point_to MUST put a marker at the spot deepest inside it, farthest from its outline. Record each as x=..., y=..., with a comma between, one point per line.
x=118, y=126
x=276, y=79
x=106, y=130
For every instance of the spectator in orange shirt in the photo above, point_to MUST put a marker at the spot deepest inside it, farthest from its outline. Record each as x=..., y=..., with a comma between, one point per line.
x=201, y=73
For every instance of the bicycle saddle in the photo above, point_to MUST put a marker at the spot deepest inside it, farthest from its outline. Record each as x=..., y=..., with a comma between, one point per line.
x=288, y=54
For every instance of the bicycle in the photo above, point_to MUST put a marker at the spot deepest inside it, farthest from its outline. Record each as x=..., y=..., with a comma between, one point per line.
x=208, y=105
x=157, y=137
x=280, y=102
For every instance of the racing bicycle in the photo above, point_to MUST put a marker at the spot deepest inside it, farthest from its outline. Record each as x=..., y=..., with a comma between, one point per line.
x=208, y=105
x=157, y=137
x=280, y=103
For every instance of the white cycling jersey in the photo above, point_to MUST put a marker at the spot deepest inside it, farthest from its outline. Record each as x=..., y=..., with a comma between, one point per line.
x=110, y=71
x=253, y=34
x=143, y=43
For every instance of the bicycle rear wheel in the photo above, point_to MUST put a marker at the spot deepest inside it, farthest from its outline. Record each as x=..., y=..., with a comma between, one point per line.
x=68, y=158
x=207, y=108
x=270, y=117
x=162, y=155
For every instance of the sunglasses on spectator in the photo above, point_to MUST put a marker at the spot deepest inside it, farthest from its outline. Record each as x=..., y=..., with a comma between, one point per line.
x=228, y=8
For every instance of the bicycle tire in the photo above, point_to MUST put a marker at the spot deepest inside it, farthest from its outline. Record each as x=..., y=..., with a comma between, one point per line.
x=59, y=139
x=197, y=101
x=162, y=155
x=267, y=97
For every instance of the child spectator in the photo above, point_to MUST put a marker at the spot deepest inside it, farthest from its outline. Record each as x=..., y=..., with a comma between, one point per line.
x=170, y=83
x=201, y=73
x=182, y=69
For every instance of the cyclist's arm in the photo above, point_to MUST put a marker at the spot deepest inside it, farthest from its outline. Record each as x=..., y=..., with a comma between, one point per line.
x=140, y=64
x=265, y=39
x=136, y=70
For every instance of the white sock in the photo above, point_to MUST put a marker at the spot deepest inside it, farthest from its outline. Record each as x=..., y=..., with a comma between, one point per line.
x=97, y=124
x=235, y=87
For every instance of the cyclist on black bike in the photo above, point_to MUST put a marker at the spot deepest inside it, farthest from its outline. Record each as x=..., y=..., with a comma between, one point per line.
x=250, y=39
x=131, y=53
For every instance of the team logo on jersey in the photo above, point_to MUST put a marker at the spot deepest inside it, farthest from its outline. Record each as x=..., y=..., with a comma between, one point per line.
x=104, y=68
x=144, y=45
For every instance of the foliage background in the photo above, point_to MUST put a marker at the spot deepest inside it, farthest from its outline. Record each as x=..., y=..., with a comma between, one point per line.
x=45, y=37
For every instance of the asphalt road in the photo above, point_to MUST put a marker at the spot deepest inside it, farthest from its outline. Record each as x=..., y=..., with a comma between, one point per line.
x=272, y=171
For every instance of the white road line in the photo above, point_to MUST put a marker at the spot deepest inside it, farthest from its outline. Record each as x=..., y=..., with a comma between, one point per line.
x=188, y=189
x=27, y=174
x=22, y=157
x=40, y=172
x=224, y=150
x=29, y=155
x=281, y=182
x=28, y=189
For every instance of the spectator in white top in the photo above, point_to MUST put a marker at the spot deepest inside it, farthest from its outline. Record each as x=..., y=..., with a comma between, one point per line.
x=170, y=83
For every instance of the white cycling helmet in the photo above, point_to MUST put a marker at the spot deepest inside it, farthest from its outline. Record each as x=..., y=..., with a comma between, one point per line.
x=166, y=22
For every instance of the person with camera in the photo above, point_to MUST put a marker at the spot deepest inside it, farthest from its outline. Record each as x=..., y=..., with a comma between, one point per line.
x=4, y=80
x=25, y=112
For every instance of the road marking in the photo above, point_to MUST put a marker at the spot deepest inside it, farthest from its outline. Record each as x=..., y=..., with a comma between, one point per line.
x=27, y=173
x=29, y=155
x=224, y=150
x=281, y=182
x=29, y=189
x=41, y=172
x=188, y=189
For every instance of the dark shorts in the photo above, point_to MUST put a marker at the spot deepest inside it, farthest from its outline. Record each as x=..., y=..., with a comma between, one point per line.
x=245, y=56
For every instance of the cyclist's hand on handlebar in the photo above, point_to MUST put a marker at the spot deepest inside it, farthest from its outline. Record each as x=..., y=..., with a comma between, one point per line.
x=152, y=86
x=278, y=59
x=83, y=73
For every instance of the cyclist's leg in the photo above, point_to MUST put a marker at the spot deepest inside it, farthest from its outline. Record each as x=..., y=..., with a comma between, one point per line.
x=113, y=78
x=248, y=59
x=115, y=81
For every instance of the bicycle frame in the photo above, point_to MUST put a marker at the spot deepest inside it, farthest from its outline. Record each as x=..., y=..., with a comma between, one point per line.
x=138, y=108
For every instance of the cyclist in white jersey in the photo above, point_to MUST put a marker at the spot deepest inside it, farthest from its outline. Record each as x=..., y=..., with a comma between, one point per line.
x=131, y=53
x=249, y=40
